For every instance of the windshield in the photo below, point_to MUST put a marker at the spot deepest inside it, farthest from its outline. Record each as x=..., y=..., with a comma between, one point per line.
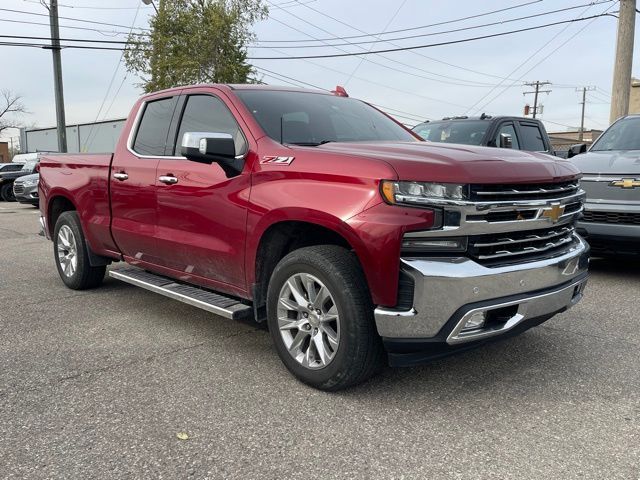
x=305, y=118
x=622, y=135
x=29, y=166
x=467, y=132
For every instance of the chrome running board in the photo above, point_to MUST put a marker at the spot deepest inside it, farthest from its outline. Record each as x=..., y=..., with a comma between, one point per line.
x=217, y=303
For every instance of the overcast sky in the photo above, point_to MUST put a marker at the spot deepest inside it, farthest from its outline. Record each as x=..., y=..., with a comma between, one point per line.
x=465, y=78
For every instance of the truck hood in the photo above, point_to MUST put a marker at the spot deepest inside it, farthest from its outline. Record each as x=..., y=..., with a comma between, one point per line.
x=609, y=162
x=426, y=161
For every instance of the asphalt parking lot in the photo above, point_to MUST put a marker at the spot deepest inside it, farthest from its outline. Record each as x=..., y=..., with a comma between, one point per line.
x=98, y=384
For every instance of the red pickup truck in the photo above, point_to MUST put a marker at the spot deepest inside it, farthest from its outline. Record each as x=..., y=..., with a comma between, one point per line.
x=320, y=214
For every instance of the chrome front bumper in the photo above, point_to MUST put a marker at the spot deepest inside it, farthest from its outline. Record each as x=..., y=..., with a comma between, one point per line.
x=449, y=290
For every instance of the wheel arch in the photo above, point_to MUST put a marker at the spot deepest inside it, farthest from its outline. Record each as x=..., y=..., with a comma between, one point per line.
x=278, y=238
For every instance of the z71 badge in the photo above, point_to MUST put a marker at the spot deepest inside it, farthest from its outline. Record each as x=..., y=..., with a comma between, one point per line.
x=280, y=160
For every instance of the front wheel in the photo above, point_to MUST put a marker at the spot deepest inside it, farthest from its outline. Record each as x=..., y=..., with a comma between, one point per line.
x=320, y=317
x=71, y=255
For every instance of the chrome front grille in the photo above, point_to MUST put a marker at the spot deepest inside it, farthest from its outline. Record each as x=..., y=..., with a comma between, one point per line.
x=17, y=188
x=521, y=246
x=505, y=224
x=529, y=191
x=626, y=218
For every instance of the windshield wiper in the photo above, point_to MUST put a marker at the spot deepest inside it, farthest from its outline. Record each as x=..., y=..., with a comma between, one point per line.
x=311, y=144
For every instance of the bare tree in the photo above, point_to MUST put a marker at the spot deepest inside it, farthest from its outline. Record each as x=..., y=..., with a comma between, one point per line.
x=11, y=107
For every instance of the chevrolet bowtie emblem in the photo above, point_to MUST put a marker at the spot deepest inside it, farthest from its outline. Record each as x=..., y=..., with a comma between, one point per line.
x=553, y=213
x=626, y=183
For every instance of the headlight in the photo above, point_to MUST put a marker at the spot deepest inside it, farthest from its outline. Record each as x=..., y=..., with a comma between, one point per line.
x=421, y=193
x=30, y=183
x=422, y=242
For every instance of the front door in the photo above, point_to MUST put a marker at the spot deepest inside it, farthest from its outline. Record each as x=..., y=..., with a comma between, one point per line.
x=133, y=181
x=202, y=213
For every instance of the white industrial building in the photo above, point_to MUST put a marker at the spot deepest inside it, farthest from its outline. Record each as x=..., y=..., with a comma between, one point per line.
x=98, y=137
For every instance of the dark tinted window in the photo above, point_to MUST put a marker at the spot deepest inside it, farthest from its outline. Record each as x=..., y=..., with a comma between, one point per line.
x=531, y=138
x=10, y=167
x=204, y=113
x=466, y=132
x=507, y=128
x=622, y=135
x=311, y=118
x=154, y=127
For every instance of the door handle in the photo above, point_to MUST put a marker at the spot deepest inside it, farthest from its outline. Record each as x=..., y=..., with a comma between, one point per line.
x=168, y=179
x=122, y=176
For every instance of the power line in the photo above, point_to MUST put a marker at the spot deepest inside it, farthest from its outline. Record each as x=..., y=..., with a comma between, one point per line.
x=48, y=46
x=545, y=57
x=383, y=65
x=403, y=29
x=431, y=45
x=89, y=141
x=103, y=32
x=83, y=6
x=393, y=17
x=472, y=27
x=70, y=18
x=416, y=53
x=22, y=37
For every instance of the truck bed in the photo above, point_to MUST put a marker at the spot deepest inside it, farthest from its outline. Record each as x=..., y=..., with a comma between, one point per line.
x=85, y=179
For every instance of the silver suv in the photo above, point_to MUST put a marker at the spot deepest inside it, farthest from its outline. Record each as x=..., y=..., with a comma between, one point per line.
x=611, y=169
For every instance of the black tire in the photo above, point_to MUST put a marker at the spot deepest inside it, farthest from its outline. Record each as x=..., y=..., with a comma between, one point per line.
x=83, y=276
x=359, y=354
x=6, y=192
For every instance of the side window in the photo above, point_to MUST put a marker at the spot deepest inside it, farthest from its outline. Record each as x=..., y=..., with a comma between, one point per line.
x=204, y=113
x=531, y=138
x=151, y=136
x=508, y=129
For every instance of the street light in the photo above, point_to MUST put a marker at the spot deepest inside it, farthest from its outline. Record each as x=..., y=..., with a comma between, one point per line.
x=150, y=2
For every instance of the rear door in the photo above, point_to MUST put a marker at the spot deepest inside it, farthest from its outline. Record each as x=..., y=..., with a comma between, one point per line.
x=133, y=180
x=202, y=213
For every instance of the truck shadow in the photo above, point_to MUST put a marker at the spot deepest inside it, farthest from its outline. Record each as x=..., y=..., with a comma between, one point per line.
x=618, y=266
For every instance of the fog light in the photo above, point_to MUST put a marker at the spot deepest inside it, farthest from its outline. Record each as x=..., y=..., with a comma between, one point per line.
x=475, y=321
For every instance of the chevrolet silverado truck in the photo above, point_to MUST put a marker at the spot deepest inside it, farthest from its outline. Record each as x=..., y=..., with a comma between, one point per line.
x=315, y=212
x=611, y=169
x=519, y=133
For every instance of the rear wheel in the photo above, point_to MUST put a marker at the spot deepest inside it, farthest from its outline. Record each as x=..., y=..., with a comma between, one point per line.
x=320, y=318
x=71, y=255
x=6, y=192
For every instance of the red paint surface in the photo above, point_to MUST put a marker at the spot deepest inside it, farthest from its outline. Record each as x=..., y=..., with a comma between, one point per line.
x=206, y=229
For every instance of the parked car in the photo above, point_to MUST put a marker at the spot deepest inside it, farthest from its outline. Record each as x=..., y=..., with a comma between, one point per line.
x=25, y=189
x=325, y=217
x=611, y=179
x=10, y=167
x=27, y=157
x=518, y=133
x=7, y=179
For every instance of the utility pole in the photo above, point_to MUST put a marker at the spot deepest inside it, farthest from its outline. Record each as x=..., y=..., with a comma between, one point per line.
x=537, y=84
x=621, y=87
x=583, y=103
x=57, y=76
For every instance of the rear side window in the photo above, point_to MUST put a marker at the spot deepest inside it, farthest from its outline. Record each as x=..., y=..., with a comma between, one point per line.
x=151, y=137
x=531, y=138
x=205, y=113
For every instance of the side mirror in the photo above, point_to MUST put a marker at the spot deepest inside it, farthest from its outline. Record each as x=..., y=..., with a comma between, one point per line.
x=576, y=150
x=207, y=147
x=506, y=141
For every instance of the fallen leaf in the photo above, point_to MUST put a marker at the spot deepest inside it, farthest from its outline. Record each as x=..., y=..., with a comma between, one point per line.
x=182, y=436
